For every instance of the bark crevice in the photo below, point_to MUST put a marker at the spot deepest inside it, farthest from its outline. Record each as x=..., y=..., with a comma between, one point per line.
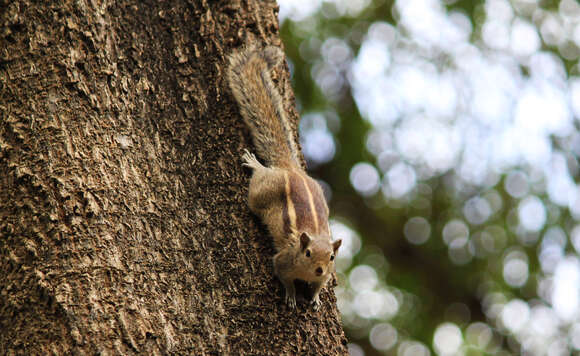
x=124, y=227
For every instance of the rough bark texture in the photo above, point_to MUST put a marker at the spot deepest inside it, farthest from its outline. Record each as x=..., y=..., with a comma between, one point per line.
x=124, y=227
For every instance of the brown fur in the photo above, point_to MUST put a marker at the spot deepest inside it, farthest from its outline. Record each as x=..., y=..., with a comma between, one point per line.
x=299, y=195
x=288, y=201
x=261, y=105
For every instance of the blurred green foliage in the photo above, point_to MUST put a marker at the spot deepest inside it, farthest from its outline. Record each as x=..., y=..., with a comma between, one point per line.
x=467, y=286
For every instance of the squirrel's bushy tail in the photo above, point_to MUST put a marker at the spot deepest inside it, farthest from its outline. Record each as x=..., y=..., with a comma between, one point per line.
x=261, y=105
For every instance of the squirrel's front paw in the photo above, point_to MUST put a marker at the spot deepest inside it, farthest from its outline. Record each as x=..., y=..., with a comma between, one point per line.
x=315, y=303
x=291, y=301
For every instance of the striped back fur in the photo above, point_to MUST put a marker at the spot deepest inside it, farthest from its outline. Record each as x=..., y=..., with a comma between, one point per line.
x=305, y=209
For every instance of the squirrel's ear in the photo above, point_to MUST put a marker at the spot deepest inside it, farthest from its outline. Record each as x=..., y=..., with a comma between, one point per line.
x=336, y=244
x=304, y=240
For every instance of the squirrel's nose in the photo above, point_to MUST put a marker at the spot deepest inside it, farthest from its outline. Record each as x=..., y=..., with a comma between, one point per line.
x=319, y=271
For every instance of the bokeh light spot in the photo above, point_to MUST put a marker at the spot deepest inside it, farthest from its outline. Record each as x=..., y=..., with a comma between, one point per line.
x=447, y=339
x=515, y=271
x=355, y=350
x=478, y=334
x=477, y=210
x=399, y=180
x=413, y=348
x=417, y=230
x=363, y=277
x=383, y=336
x=566, y=290
x=516, y=184
x=532, y=213
x=455, y=229
x=364, y=178
x=515, y=315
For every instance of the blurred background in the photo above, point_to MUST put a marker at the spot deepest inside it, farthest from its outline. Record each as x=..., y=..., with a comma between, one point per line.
x=445, y=135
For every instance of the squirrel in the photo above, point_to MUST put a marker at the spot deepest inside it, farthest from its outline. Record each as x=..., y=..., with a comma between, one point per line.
x=289, y=202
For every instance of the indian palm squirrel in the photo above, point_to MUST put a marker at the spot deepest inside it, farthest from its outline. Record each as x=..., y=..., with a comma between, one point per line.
x=288, y=201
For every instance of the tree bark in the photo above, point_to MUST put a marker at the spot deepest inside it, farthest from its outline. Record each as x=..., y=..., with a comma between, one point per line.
x=124, y=226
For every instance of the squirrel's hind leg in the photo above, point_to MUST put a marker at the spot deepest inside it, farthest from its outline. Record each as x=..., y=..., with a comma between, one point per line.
x=267, y=186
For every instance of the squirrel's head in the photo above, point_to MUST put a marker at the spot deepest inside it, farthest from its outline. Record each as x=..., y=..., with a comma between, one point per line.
x=317, y=255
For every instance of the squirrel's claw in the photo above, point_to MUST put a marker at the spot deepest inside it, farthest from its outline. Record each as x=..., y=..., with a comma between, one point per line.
x=291, y=301
x=315, y=303
x=250, y=160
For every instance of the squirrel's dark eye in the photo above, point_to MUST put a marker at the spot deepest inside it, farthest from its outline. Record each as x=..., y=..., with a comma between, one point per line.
x=332, y=258
x=307, y=253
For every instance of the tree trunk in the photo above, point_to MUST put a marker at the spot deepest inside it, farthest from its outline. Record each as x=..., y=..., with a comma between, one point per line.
x=124, y=226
